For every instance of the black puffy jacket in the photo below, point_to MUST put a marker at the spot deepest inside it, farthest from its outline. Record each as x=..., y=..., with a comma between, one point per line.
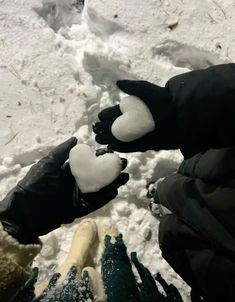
x=198, y=238
x=204, y=104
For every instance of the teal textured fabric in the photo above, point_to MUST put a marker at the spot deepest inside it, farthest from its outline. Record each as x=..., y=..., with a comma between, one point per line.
x=118, y=278
x=148, y=287
x=120, y=283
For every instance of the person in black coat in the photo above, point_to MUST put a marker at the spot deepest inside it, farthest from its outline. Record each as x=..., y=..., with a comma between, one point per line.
x=194, y=112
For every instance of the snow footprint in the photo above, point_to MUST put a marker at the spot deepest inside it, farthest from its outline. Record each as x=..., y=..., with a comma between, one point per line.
x=185, y=56
x=60, y=13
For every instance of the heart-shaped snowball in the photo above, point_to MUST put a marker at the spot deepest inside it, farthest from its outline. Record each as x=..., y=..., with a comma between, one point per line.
x=92, y=172
x=136, y=120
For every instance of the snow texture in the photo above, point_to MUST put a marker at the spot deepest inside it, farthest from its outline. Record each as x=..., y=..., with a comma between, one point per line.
x=55, y=81
x=136, y=120
x=92, y=172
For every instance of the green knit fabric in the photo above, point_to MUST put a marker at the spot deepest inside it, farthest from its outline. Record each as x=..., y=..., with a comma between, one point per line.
x=119, y=281
x=118, y=278
x=148, y=287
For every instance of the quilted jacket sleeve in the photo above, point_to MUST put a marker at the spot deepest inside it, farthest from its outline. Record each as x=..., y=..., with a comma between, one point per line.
x=205, y=108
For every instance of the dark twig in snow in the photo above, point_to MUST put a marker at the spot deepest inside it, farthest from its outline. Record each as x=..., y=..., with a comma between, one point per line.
x=211, y=18
x=227, y=54
x=12, y=138
x=220, y=8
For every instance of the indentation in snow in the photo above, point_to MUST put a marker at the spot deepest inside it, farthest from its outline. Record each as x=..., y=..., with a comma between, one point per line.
x=185, y=56
x=60, y=13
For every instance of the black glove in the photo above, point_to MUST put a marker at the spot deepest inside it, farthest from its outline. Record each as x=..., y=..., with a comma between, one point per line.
x=158, y=100
x=148, y=287
x=48, y=197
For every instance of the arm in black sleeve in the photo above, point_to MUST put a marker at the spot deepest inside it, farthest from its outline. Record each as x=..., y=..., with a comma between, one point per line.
x=194, y=112
x=205, y=105
x=206, y=208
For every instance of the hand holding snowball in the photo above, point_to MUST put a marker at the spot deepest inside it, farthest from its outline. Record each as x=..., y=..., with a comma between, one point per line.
x=136, y=120
x=48, y=196
x=92, y=172
x=43, y=199
x=145, y=121
x=98, y=176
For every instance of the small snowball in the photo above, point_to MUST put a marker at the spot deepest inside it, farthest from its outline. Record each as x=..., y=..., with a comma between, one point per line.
x=8, y=161
x=24, y=82
x=38, y=139
x=35, y=83
x=62, y=99
x=82, y=134
x=3, y=170
x=136, y=120
x=134, y=165
x=147, y=233
x=50, y=247
x=92, y=173
x=71, y=88
x=123, y=209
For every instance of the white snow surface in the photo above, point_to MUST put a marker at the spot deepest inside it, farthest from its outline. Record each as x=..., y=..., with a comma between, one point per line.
x=53, y=84
x=92, y=173
x=135, y=122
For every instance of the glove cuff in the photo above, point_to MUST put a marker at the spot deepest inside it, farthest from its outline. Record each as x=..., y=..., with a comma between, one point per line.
x=165, y=115
x=18, y=234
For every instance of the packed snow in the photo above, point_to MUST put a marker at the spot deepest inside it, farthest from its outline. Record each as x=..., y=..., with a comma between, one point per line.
x=58, y=69
x=92, y=172
x=136, y=120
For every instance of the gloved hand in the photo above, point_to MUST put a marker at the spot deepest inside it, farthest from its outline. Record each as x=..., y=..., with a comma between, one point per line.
x=89, y=202
x=148, y=287
x=48, y=196
x=158, y=100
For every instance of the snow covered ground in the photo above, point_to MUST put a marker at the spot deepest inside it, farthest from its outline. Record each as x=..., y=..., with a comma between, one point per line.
x=58, y=69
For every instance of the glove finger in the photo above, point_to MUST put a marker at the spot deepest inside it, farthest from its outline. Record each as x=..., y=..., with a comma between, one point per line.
x=102, y=127
x=124, y=163
x=144, y=90
x=145, y=275
x=72, y=273
x=142, y=144
x=121, y=180
x=122, y=147
x=175, y=293
x=97, y=201
x=110, y=114
x=61, y=152
x=136, y=146
x=85, y=277
x=163, y=283
x=105, y=139
x=102, y=151
x=107, y=196
x=53, y=281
